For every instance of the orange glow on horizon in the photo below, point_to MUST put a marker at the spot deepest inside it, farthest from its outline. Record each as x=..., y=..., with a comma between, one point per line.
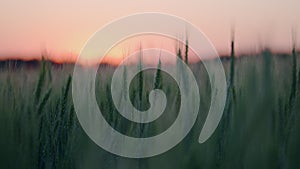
x=119, y=52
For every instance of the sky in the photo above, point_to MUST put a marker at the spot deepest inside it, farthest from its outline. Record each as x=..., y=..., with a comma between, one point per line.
x=61, y=27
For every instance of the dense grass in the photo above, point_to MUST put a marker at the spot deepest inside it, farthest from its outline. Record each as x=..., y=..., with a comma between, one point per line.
x=260, y=127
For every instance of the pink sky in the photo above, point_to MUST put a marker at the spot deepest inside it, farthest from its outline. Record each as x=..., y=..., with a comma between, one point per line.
x=62, y=27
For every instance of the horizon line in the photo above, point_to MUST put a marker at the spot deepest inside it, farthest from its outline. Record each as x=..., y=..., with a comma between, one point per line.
x=27, y=58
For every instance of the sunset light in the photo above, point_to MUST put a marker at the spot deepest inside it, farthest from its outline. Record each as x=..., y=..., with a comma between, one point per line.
x=149, y=84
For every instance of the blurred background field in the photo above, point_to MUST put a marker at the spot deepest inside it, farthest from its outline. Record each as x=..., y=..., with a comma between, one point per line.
x=259, y=129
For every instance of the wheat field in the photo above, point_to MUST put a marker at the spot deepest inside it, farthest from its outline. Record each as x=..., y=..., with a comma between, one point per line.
x=259, y=129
